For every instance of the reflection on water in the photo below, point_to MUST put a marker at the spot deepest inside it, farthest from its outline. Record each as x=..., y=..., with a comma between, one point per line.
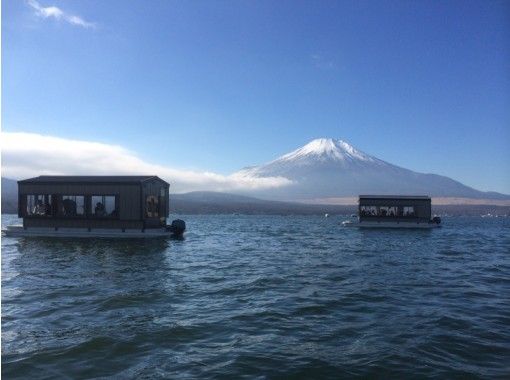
x=92, y=246
x=261, y=296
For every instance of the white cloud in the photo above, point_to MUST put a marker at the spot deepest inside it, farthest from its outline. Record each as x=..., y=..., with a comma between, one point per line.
x=27, y=155
x=58, y=14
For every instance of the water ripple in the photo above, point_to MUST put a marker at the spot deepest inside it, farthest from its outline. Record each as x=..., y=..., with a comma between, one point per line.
x=261, y=297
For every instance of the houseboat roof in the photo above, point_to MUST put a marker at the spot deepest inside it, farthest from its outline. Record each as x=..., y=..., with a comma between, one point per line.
x=102, y=179
x=423, y=197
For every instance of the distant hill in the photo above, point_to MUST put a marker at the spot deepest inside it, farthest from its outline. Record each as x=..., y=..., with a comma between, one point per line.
x=209, y=202
x=327, y=168
x=9, y=196
x=205, y=202
x=216, y=197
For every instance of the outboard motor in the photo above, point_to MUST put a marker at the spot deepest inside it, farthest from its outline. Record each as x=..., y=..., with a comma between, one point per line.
x=436, y=219
x=177, y=227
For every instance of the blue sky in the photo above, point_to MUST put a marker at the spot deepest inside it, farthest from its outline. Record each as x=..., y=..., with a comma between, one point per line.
x=219, y=85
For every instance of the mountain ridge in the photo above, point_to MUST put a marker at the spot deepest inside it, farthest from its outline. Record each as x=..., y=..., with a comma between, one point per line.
x=321, y=172
x=325, y=168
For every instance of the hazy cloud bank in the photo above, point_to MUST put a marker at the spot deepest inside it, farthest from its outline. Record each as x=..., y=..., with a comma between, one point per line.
x=27, y=155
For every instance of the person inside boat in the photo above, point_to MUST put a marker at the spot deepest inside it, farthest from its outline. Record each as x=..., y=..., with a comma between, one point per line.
x=99, y=210
x=69, y=207
x=39, y=208
x=47, y=209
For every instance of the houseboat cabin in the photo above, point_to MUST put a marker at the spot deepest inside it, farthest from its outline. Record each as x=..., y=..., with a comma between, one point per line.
x=395, y=211
x=95, y=205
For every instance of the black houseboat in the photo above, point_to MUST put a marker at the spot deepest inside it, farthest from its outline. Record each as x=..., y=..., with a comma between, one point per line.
x=110, y=206
x=395, y=211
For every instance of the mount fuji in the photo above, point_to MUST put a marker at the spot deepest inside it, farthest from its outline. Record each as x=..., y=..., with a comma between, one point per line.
x=327, y=168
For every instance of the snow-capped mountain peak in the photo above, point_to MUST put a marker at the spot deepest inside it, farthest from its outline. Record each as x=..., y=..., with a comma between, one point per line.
x=327, y=149
x=326, y=168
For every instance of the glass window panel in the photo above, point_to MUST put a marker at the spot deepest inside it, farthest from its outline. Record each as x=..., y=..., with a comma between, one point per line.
x=152, y=207
x=104, y=206
x=39, y=204
x=383, y=211
x=408, y=211
x=368, y=210
x=72, y=205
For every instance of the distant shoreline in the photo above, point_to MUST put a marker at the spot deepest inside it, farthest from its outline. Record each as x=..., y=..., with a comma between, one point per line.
x=443, y=201
x=205, y=208
x=206, y=203
x=260, y=207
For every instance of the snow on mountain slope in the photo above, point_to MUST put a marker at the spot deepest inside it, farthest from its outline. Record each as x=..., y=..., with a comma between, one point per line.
x=333, y=168
x=327, y=149
x=317, y=153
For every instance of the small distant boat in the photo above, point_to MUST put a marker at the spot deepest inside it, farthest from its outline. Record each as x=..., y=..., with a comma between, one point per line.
x=94, y=206
x=394, y=211
x=326, y=215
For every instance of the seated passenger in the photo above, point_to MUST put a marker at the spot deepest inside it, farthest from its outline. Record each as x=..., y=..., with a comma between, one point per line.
x=69, y=207
x=99, y=210
x=47, y=209
x=39, y=208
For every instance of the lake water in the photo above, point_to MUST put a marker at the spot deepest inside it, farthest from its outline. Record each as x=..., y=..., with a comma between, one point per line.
x=261, y=296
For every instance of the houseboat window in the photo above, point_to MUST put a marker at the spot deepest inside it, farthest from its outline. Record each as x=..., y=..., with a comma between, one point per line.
x=152, y=208
x=368, y=211
x=162, y=192
x=39, y=205
x=384, y=211
x=408, y=211
x=104, y=206
x=392, y=211
x=388, y=211
x=72, y=205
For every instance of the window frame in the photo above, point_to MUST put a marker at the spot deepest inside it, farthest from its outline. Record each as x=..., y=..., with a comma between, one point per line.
x=91, y=214
x=60, y=213
x=56, y=206
x=408, y=216
x=26, y=213
x=156, y=205
x=366, y=211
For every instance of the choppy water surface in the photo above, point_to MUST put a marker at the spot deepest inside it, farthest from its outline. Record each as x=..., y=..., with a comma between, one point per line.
x=264, y=297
